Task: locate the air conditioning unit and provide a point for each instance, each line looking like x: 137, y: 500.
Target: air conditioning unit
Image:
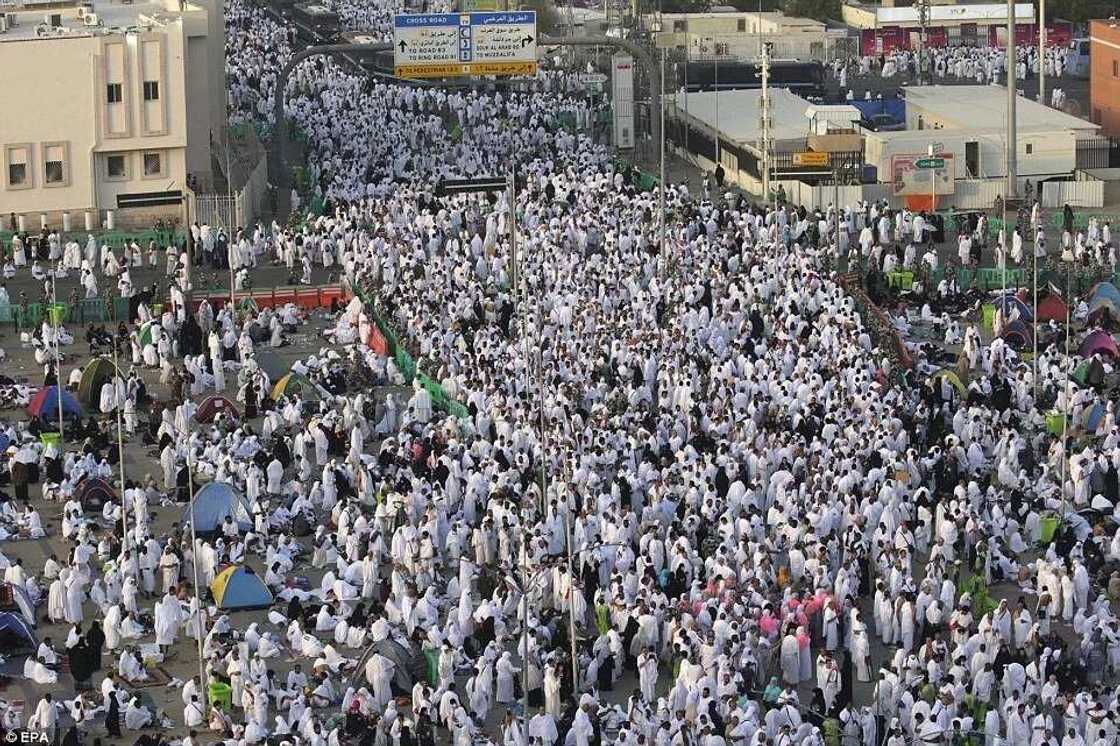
x: 84, y: 9
x: 91, y: 19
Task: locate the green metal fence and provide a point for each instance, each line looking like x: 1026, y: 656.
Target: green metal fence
x: 406, y: 364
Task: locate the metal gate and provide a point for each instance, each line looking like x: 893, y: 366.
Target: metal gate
x: 216, y: 210
x: 1093, y: 152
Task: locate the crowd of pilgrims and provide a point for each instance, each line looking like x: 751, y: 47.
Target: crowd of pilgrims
x: 954, y: 63
x: 704, y: 461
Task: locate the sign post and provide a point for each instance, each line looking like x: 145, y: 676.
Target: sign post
x: 441, y: 45
x: 923, y: 176
x: 930, y: 164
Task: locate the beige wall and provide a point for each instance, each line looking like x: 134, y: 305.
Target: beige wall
x: 73, y: 74
x: 859, y: 17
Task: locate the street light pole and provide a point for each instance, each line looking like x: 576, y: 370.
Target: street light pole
x: 200, y: 610
x: 1042, y: 52
x: 1067, y: 262
x: 120, y: 456
x: 661, y: 189
x: 716, y: 49
x: 1012, y: 151
x: 57, y: 357
x: 766, y: 122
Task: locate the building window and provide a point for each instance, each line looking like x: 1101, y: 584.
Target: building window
x: 679, y: 27
x: 114, y: 93
x: 153, y: 164
x: 19, y: 167
x: 1030, y: 148
x: 18, y: 161
x: 54, y: 165
x: 151, y: 90
x: 17, y: 174
x: 742, y: 25
x: 1116, y: 69
x: 116, y: 167
x: 1096, y: 116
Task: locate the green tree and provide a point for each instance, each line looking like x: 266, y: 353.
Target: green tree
x: 548, y: 19
x: 820, y: 10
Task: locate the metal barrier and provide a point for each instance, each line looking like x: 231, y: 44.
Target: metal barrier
x: 306, y: 297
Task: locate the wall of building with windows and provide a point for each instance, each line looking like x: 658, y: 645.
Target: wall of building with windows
x: 103, y: 122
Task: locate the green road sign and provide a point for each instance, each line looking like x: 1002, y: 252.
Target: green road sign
x: 930, y: 163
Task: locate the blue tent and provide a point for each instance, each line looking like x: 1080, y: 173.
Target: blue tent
x: 45, y: 404
x: 213, y: 503
x: 1094, y: 416
x: 1010, y: 301
x: 15, y: 634
x: 1105, y: 290
x: 238, y: 587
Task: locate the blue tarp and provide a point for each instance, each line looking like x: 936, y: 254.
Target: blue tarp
x: 242, y: 589
x: 18, y: 631
x: 895, y: 108
x: 213, y: 503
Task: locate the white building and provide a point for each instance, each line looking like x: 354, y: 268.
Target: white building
x: 741, y: 35
x: 970, y: 123
x: 806, y: 140
x: 110, y: 107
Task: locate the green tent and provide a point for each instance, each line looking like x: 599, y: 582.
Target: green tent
x: 146, y: 333
x: 96, y: 373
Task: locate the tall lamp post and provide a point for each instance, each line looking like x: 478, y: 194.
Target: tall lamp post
x: 1067, y: 263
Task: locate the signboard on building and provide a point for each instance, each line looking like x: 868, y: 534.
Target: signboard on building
x: 439, y: 45
x: 810, y: 159
x: 912, y: 174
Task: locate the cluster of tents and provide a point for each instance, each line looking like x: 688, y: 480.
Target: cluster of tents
x: 235, y: 587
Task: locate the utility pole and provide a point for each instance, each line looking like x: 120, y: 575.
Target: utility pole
x: 836, y: 201
x: 1042, y: 52
x: 923, y: 55
x: 1012, y: 145
x: 766, y: 122
x: 715, y: 48
x: 661, y: 189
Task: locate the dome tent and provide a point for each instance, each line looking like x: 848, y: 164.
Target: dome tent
x: 216, y: 404
x: 45, y: 404
x: 94, y: 493
x: 96, y: 373
x: 295, y: 383
x: 1099, y: 342
x: 15, y: 600
x: 1053, y: 308
x: 212, y: 504
x: 238, y: 587
x: 16, y: 635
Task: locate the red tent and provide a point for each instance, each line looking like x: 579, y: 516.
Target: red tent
x: 212, y: 405
x: 1053, y: 308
